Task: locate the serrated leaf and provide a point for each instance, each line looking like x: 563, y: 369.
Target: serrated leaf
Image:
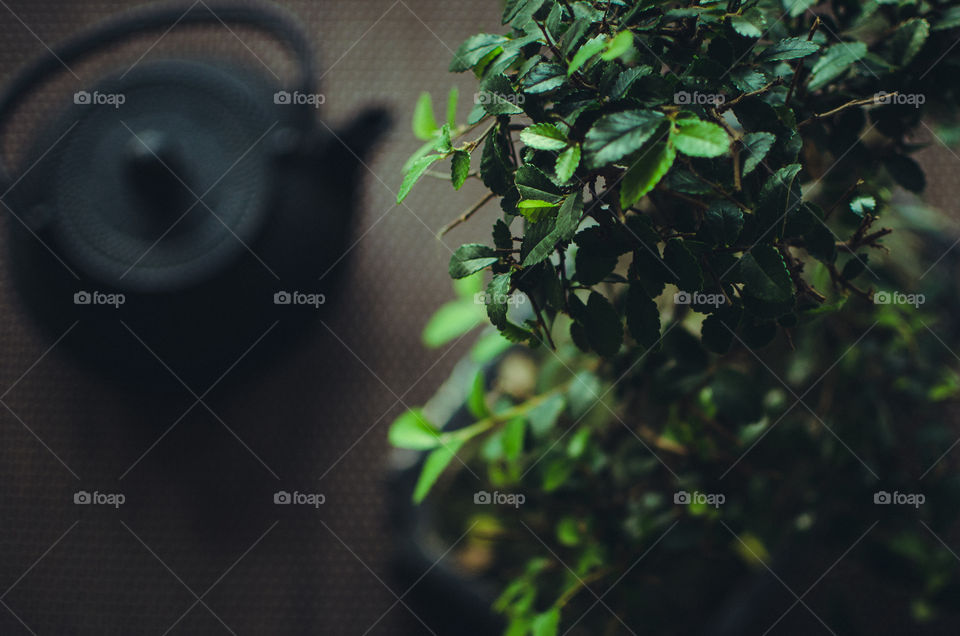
x: 544, y: 137
x: 532, y: 183
x: 788, y: 49
x: 495, y: 170
x: 535, y: 210
x: 834, y: 62
x: 745, y: 25
x: 565, y: 226
x: 473, y: 50
x: 616, y: 135
x: 798, y: 7
x: 907, y: 41
x: 417, y: 168
x: 621, y: 44
x: 723, y: 222
x: 757, y: 145
x: 412, y: 430
x: 698, y: 138
x: 459, y: 168
x: 717, y: 331
x: 863, y: 205
x: 645, y: 172
x: 436, y: 462
x: 498, y: 97
x: 684, y: 264
x: 471, y: 258
x: 450, y: 321
x: 424, y: 123
x: 643, y: 316
x: 590, y: 48
x: 543, y: 78
x: 602, y: 325
x: 567, y: 163
x: 765, y: 275
x: 497, y: 292
x: 519, y: 12
x: 502, y: 237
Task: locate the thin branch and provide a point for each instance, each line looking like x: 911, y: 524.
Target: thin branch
x: 867, y: 101
x: 466, y: 215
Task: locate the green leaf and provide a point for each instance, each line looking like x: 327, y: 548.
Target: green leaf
x: 798, y: 7
x: 746, y: 25
x: 451, y: 321
x: 475, y: 49
x: 424, y: 123
x: 532, y: 183
x: 757, y: 146
x: 535, y: 210
x: 684, y: 264
x: 544, y: 137
x: 567, y: 163
x: 543, y: 417
x: 459, y: 168
x: 502, y: 237
x: 619, y: 134
x: 590, y: 48
x: 416, y: 171
x: 568, y: 218
x: 699, y: 138
x: 497, y: 292
x: 477, y: 399
x: 907, y: 41
x: 545, y: 77
x: 863, y: 205
x: 602, y: 325
x: 471, y: 258
x: 436, y: 462
x: 412, y: 430
x: 547, y: 623
x: 718, y: 328
x: 643, y: 316
x: 765, y: 275
x: 513, y: 434
x: 834, y: 62
x: 645, y: 172
x: 498, y: 97
x: 788, y: 49
x: 495, y: 170
x: 519, y: 12
x: 620, y: 45
x: 723, y: 222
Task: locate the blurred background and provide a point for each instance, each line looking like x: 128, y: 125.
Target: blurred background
x: 199, y: 513
x: 199, y: 546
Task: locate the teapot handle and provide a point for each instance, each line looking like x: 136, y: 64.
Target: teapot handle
x: 271, y: 20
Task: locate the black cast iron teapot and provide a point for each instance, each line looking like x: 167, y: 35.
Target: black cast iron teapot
x: 177, y: 211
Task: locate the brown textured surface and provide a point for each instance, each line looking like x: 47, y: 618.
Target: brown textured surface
x: 198, y: 500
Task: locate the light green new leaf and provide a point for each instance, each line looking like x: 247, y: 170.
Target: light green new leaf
x: 412, y: 430
x: 699, y: 138
x: 424, y: 123
x: 547, y: 623
x: 567, y: 163
x: 452, y: 100
x: 436, y: 462
x: 451, y: 321
x: 835, y: 61
x: 417, y: 168
x: 590, y: 48
x: 621, y: 44
x: 645, y: 172
x: 534, y: 209
x: 568, y: 218
x: 459, y: 168
x: 544, y: 137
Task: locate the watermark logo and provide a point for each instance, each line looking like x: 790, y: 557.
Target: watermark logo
x: 296, y: 98
x: 698, y: 298
x: 909, y: 99
x: 884, y: 498
x: 484, y: 498
x: 297, y: 498
x: 484, y: 298
x: 96, y: 98
x: 696, y: 98
x: 684, y: 498
x: 486, y: 97
x: 99, y: 298
x: 298, y: 298
x: 898, y: 298
x: 97, y: 498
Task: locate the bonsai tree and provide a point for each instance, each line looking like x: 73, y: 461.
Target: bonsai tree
x: 734, y: 362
